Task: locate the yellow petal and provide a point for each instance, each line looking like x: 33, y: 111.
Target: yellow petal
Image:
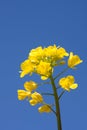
x: 22, y: 94
x: 44, y: 77
x: 33, y: 102
x: 74, y: 86
x: 38, y: 97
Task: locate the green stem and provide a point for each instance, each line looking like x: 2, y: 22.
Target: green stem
x: 52, y: 110
x: 61, y: 94
x: 59, y: 125
x: 50, y: 94
x: 61, y: 73
x: 40, y: 84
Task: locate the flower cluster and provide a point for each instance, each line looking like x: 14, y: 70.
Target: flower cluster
x: 34, y: 98
x: 42, y: 62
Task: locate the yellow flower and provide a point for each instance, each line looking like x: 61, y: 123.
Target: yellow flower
x: 67, y: 83
x: 44, y: 108
x: 30, y: 86
x: 26, y: 67
x: 74, y: 60
x: 44, y: 69
x: 55, y: 53
x: 41, y: 60
x: 36, y: 54
x: 50, y: 51
x: 33, y: 102
x: 22, y: 94
x: 61, y: 52
x: 36, y: 98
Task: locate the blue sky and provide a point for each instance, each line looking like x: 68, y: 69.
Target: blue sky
x: 26, y: 24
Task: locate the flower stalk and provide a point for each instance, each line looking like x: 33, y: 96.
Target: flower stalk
x: 61, y: 73
x: 58, y: 116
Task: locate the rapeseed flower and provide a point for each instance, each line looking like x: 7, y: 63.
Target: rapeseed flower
x: 55, y: 53
x: 36, y: 54
x: 45, y: 58
x: 27, y: 67
x: 44, y: 69
x: 30, y: 85
x: 44, y: 108
x: 36, y: 98
x: 73, y: 60
x: 61, y: 53
x: 67, y: 83
x: 22, y: 94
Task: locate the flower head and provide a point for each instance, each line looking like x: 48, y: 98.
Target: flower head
x: 44, y: 108
x: 42, y: 60
x: 74, y: 60
x: 67, y: 83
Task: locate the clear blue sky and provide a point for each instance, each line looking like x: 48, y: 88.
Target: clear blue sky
x: 26, y: 24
